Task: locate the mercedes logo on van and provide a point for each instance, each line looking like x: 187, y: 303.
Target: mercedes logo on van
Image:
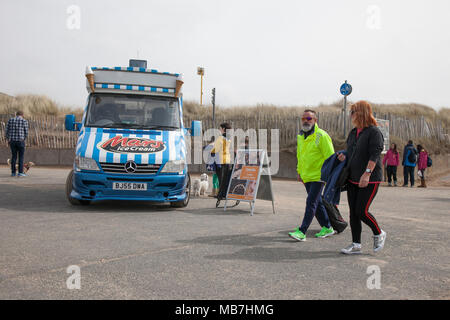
x: 130, y: 166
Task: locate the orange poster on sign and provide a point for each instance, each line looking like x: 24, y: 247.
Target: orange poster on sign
x: 249, y: 173
x: 250, y: 178
x: 244, y: 178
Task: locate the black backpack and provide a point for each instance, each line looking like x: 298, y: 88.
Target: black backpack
x: 337, y: 222
x: 412, y: 157
x: 429, y: 162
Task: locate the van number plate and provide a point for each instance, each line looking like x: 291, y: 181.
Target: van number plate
x: 129, y: 186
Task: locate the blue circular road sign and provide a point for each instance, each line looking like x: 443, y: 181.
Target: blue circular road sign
x: 346, y: 89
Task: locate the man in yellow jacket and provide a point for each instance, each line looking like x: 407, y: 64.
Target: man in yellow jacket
x: 314, y: 146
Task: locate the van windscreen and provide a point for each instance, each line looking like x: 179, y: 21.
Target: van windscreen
x: 108, y: 110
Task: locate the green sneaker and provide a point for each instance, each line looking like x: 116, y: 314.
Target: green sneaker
x: 325, y: 232
x: 297, y: 235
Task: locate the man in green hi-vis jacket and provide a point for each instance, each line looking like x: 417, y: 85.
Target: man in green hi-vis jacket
x: 314, y: 146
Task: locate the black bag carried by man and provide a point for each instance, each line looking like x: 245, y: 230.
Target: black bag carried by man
x: 337, y: 222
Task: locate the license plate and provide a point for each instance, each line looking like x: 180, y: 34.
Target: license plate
x: 129, y: 186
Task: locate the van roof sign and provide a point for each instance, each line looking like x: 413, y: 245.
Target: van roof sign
x: 138, y: 63
x: 133, y: 80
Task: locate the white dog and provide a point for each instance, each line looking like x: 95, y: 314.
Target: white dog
x: 201, y: 185
x: 196, y: 187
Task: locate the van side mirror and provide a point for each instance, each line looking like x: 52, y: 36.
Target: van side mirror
x: 70, y: 123
x: 196, y: 128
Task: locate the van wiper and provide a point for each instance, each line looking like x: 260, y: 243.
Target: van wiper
x: 112, y: 125
x: 162, y: 127
x: 123, y: 125
x: 141, y: 126
x: 138, y: 126
x: 130, y: 125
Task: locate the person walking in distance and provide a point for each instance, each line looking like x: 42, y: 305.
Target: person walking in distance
x: 16, y: 133
x: 314, y: 146
x: 422, y: 165
x: 364, y: 146
x: 391, y: 159
x: 409, y: 163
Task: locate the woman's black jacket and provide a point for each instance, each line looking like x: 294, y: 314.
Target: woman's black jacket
x: 368, y: 146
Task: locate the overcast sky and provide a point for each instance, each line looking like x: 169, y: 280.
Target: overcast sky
x: 279, y: 52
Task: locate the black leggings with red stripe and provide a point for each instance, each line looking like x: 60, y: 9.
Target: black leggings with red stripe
x: 359, y: 201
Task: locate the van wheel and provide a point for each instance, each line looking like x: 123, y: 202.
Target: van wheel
x: 69, y: 187
x: 184, y: 203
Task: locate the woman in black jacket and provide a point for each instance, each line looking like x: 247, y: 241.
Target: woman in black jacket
x: 364, y: 146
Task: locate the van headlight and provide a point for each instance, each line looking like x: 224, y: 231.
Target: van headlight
x: 82, y: 163
x: 174, y: 166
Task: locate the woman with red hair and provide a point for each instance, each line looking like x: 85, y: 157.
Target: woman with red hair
x: 364, y: 146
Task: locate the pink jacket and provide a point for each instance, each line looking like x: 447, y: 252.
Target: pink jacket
x: 391, y: 158
x: 423, y: 159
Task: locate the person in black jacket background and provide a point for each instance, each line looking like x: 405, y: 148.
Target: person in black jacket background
x: 364, y: 146
x: 409, y: 153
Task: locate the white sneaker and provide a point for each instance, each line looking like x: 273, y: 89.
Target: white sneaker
x: 354, y: 248
x: 378, y: 241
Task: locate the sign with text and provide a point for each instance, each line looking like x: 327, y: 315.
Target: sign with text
x: 246, y: 177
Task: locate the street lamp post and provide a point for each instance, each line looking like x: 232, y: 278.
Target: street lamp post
x: 201, y: 73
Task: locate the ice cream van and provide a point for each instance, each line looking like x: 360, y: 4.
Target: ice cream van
x: 132, y: 142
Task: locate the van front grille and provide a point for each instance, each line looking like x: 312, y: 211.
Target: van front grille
x: 120, y: 168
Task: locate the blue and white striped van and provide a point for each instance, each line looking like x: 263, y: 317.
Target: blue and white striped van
x: 132, y: 143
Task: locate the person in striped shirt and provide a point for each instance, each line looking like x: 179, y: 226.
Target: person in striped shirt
x: 16, y: 134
